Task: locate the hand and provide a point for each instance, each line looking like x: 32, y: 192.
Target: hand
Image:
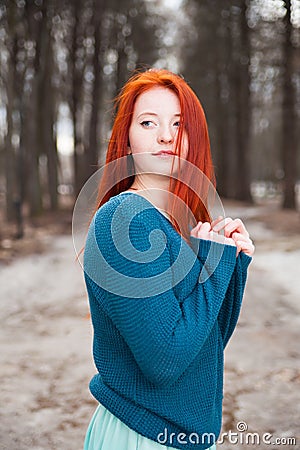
x: 203, y: 230
x: 236, y: 230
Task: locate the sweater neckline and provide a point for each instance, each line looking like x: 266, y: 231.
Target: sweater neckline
x: 163, y: 213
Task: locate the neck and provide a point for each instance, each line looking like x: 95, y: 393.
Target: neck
x: 153, y: 188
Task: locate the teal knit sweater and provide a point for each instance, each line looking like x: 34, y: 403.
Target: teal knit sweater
x: 162, y: 313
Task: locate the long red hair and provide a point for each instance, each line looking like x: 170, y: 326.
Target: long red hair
x: 192, y: 122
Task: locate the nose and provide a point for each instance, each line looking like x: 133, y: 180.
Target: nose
x: 165, y: 136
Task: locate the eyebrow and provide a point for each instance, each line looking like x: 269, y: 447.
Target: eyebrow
x: 149, y: 113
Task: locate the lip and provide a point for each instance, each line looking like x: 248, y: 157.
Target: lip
x: 164, y: 153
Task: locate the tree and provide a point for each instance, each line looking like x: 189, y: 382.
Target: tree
x: 243, y: 104
x: 47, y: 105
x: 9, y: 154
x: 36, y: 21
x: 216, y: 61
x: 76, y: 70
x: 97, y: 64
x: 289, y: 121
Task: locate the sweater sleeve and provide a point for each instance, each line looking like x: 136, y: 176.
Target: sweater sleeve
x: 230, y: 309
x: 163, y: 334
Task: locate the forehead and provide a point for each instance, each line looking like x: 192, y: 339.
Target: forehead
x: 159, y: 100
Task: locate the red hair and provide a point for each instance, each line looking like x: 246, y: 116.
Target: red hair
x: 192, y: 122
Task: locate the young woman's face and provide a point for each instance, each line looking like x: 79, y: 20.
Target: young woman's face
x: 153, y: 131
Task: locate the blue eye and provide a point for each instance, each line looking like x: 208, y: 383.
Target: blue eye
x: 177, y: 124
x: 146, y: 123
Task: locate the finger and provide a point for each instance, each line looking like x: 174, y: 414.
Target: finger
x: 221, y: 238
x: 236, y: 225
x: 203, y: 231
x: 194, y: 231
x: 240, y: 237
x: 229, y: 241
x: 205, y: 236
x: 205, y: 227
x: 246, y: 247
x: 238, y: 248
x: 216, y: 237
x: 216, y: 221
x: 221, y: 224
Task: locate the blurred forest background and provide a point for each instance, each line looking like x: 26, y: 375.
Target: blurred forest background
x: 63, y: 61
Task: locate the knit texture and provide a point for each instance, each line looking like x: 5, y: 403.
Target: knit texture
x: 162, y: 314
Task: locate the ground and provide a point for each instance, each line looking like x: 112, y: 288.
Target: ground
x: 45, y: 344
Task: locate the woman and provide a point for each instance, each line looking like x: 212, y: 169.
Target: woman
x: 165, y: 282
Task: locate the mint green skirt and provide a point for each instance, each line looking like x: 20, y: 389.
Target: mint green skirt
x: 107, y: 432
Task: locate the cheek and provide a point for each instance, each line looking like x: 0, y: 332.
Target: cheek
x: 135, y: 140
x: 139, y: 141
x: 185, y: 146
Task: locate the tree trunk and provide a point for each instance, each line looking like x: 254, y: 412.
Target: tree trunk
x: 9, y: 156
x: 243, y: 111
x: 33, y: 117
x: 232, y: 121
x: 92, y: 154
x: 223, y: 54
x: 122, y: 71
x: 47, y: 107
x: 289, y: 144
x: 77, y: 79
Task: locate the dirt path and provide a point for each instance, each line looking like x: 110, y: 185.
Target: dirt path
x: 46, y: 361
x: 45, y: 351
x: 262, y: 388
